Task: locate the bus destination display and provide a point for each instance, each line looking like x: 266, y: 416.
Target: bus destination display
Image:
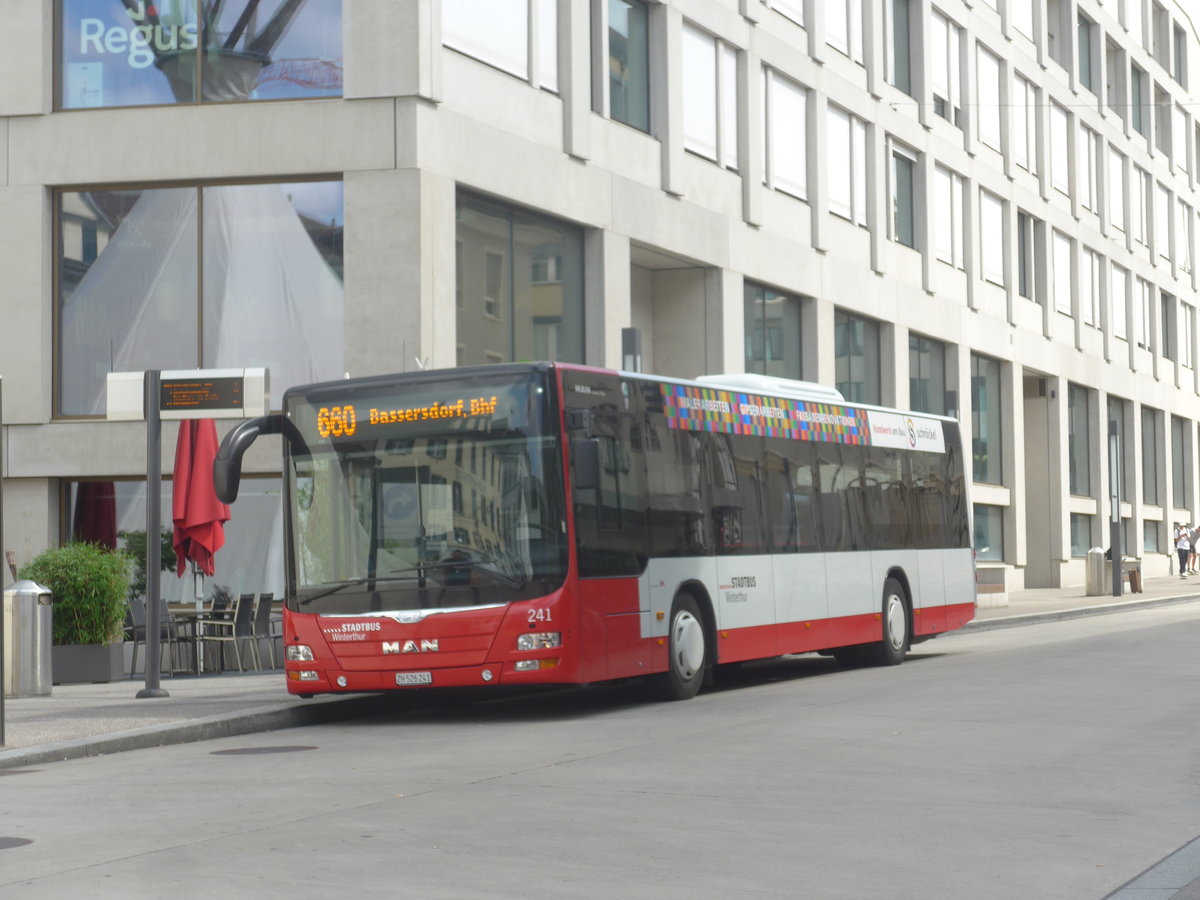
x: 345, y: 421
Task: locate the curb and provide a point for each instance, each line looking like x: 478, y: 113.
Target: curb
x: 1079, y: 612
x: 266, y: 718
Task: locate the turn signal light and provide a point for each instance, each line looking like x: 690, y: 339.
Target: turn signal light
x: 532, y: 665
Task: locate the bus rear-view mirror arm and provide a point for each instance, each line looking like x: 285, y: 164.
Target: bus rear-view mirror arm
x: 227, y: 466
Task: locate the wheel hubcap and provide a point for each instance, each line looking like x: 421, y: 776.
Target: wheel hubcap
x: 897, y: 622
x: 687, y: 645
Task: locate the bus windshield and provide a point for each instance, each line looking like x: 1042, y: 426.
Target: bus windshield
x: 409, y: 495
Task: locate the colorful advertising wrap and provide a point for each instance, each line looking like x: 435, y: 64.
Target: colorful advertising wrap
x: 728, y: 412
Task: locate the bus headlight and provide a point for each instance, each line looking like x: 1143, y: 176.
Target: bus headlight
x: 539, y: 640
x: 299, y: 653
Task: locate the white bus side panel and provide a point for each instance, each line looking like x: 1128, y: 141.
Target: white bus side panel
x: 959, y: 577
x: 929, y: 588
x: 852, y: 586
x: 660, y: 582
x: 800, y: 593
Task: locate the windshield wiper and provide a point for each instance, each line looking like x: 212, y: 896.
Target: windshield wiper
x: 353, y: 582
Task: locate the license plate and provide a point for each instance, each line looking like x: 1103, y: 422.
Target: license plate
x: 414, y: 678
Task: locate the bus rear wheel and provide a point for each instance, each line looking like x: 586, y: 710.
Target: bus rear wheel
x: 687, y: 645
x: 894, y: 647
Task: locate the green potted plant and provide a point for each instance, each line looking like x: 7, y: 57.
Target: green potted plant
x: 90, y: 584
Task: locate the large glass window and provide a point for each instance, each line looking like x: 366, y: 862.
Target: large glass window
x: 991, y: 236
x: 904, y: 221
x: 1150, y: 454
x: 223, y: 276
x: 856, y: 357
x: 772, y: 332
x: 1180, y: 463
x: 113, y: 514
x: 926, y: 375
x: 900, y: 68
x: 1025, y: 123
x: 709, y: 97
x: 629, y: 63
x: 1081, y: 534
x: 948, y: 225
x: 986, y: 438
x: 139, y: 52
x: 1060, y: 148
x: 945, y: 67
x: 844, y: 27
x: 846, y: 137
x: 1078, y: 441
x: 785, y: 109
x: 1086, y: 30
x: 497, y: 32
x: 987, y: 90
x: 989, y: 533
x: 523, y: 285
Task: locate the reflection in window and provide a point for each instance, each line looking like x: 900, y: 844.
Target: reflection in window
x: 1150, y: 454
x: 1081, y: 534
x: 989, y: 533
x: 113, y: 513
x: 772, y: 332
x: 271, y: 260
x: 138, y: 52
x: 986, y: 439
x: 926, y: 375
x: 522, y: 284
x: 856, y: 357
x: 629, y: 63
x: 1078, y: 441
x: 497, y: 32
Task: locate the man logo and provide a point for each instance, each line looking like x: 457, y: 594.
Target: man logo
x: 425, y: 646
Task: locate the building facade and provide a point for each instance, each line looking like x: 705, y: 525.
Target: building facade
x: 980, y: 208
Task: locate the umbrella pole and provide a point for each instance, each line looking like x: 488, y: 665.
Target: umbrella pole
x: 198, y: 592
x: 153, y: 538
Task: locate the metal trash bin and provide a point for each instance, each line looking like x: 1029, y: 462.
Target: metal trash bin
x: 28, y: 623
x: 1096, y: 565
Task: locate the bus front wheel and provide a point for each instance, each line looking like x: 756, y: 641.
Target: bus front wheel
x: 687, y: 644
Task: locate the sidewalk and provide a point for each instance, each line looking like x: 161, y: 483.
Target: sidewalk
x: 90, y: 719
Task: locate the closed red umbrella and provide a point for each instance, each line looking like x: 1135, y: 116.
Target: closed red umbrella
x: 198, y: 515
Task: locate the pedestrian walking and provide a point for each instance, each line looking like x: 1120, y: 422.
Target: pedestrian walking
x: 1183, y: 547
x: 1194, y: 537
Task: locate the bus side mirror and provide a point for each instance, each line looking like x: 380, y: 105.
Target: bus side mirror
x: 227, y: 466
x: 586, y: 454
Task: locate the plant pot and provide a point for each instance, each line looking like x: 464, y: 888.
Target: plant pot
x: 87, y: 663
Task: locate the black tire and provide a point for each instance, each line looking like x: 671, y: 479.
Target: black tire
x: 896, y: 632
x: 849, y: 657
x: 687, y: 647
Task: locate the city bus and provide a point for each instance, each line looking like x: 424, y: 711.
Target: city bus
x: 551, y: 524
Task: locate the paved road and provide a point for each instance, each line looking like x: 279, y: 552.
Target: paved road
x: 1056, y: 760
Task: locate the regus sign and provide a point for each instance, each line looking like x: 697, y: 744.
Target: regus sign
x: 140, y: 41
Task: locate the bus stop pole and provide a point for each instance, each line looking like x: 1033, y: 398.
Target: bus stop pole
x: 153, y: 538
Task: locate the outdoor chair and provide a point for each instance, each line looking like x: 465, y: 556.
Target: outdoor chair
x: 234, y: 628
x: 169, y: 633
x: 263, y: 630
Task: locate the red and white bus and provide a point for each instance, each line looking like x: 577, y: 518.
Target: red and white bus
x: 533, y: 524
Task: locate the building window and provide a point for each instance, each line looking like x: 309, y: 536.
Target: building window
x: 1114, y: 77
x: 989, y: 533
x: 1162, y: 220
x: 522, y: 284
x: 793, y: 9
x: 1081, y: 534
x: 136, y: 53
x: 1060, y: 260
x: 1089, y: 169
x: 948, y: 190
x: 1119, y: 286
x: 1029, y: 231
x: 904, y: 167
x: 1179, y: 72
x: 1089, y: 287
x: 1183, y: 236
x: 1179, y: 130
x: 1060, y: 149
x: 902, y: 41
x: 1138, y: 99
x: 497, y: 32
x: 1162, y: 121
x: 709, y: 97
x: 785, y: 142
x: 1150, y: 537
x: 1150, y: 453
x: 1116, y: 190
x: 926, y: 375
x: 991, y: 237
x: 844, y: 27
x: 1167, y: 319
x: 856, y: 357
x: 1187, y: 334
x: 987, y: 91
x: 629, y: 63
x: 112, y: 513
x: 772, y: 322
x: 222, y: 276
x: 1058, y: 38
x: 946, y: 67
x: 1022, y: 16
x: 847, y: 172
x: 1180, y: 463
x: 986, y: 438
x: 1160, y: 32
x: 1139, y: 202
x: 1025, y: 124
x: 1078, y: 441
x: 1087, y: 28
x: 1143, y: 299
